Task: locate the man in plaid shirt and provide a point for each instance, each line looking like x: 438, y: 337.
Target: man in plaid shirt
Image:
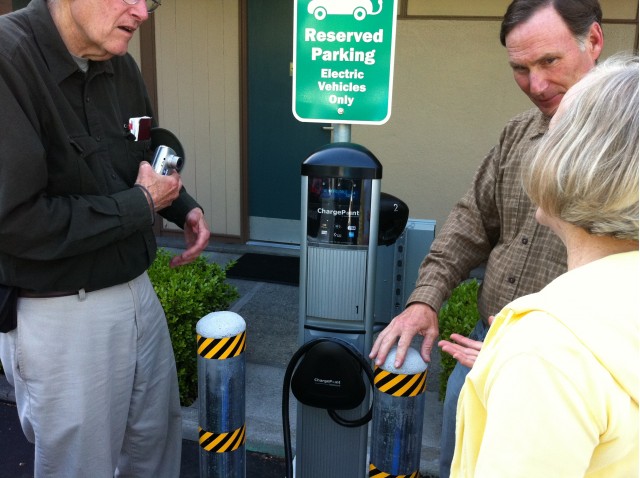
x: 551, y: 44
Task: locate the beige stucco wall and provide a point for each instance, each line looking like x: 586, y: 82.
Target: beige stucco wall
x: 452, y: 94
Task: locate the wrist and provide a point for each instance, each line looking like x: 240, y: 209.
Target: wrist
x: 152, y: 205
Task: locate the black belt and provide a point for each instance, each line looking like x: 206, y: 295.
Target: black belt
x: 34, y: 294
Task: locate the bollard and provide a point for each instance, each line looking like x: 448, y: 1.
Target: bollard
x: 398, y: 414
x: 221, y: 340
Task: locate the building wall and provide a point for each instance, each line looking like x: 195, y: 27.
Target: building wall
x: 452, y: 94
x: 134, y: 48
x: 198, y: 58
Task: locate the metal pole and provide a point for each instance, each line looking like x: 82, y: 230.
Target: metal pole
x: 341, y: 133
x: 398, y: 415
x: 221, y: 340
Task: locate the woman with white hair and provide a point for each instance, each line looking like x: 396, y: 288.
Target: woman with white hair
x: 554, y: 391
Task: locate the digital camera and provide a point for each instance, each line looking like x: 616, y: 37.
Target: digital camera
x: 166, y: 160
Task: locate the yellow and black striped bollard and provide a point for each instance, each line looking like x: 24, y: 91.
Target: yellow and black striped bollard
x: 221, y: 340
x: 398, y: 415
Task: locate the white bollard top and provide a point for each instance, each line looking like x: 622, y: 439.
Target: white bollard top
x: 413, y: 363
x: 218, y: 325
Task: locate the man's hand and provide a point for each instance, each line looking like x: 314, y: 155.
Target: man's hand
x: 416, y: 319
x: 163, y: 189
x: 463, y: 349
x: 196, y: 236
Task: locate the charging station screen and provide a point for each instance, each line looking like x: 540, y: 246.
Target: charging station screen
x: 336, y: 211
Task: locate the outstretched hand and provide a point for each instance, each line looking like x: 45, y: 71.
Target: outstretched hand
x: 463, y: 349
x: 196, y: 236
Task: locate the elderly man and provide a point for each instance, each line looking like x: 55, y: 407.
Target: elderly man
x: 551, y: 44
x: 91, y: 358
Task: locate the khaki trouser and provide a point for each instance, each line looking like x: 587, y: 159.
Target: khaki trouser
x: 96, y: 384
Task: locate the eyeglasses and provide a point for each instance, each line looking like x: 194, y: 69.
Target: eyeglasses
x: 151, y: 4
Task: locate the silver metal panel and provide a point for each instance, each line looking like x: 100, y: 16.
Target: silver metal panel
x: 302, y: 288
x: 326, y: 449
x: 384, y: 311
x: 335, y: 286
x: 398, y: 266
x: 416, y: 243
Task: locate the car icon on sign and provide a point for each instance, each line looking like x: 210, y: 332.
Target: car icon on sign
x: 358, y: 8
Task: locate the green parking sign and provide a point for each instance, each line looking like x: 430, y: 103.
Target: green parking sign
x: 343, y: 60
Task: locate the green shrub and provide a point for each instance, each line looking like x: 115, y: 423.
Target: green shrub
x: 458, y: 315
x: 188, y: 293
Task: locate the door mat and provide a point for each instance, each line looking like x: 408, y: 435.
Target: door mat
x: 266, y: 268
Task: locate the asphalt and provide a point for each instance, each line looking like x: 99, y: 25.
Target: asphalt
x: 271, y: 314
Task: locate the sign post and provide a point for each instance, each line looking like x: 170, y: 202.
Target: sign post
x: 343, y: 60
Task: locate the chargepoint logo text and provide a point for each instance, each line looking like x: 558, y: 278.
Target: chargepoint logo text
x: 341, y: 212
x: 327, y: 381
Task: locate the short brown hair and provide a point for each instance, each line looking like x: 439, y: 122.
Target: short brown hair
x: 578, y: 15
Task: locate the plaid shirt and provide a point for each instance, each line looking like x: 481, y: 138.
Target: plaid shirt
x: 494, y: 223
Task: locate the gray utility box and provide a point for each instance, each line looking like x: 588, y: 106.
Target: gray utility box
x: 397, y: 269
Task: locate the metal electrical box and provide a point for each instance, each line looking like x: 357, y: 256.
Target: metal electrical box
x: 397, y: 269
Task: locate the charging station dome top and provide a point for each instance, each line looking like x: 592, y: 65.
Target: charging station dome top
x: 343, y: 160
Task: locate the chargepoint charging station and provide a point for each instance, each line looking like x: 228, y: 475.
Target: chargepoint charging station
x: 340, y: 218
